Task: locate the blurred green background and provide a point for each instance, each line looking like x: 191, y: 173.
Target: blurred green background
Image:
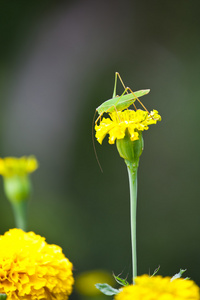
x: 57, y: 64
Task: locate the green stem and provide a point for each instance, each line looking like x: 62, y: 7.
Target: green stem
x: 20, y: 213
x: 132, y: 174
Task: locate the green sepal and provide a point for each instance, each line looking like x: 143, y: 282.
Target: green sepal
x: 130, y: 150
x: 106, y: 289
x: 121, y: 281
x: 3, y: 296
x: 178, y: 275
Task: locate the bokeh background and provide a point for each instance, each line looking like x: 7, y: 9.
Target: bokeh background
x: 57, y: 64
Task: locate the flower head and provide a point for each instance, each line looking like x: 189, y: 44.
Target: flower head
x: 31, y: 269
x: 10, y: 166
x: 85, y: 282
x: 15, y: 172
x: 121, y: 121
x: 160, y: 288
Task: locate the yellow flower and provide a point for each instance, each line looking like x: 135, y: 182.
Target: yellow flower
x: 31, y: 269
x: 10, y: 166
x: 85, y: 282
x: 15, y: 173
x: 133, y: 121
x: 159, y: 288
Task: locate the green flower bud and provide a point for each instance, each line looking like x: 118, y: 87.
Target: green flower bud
x: 130, y: 150
x: 17, y: 188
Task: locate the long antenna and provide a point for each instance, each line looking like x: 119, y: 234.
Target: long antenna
x: 95, y: 151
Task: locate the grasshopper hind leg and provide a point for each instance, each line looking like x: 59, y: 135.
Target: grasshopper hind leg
x: 129, y: 89
x: 138, y: 100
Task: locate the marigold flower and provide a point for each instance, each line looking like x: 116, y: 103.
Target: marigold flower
x: 15, y: 172
x: 133, y: 121
x: 31, y: 269
x: 10, y: 166
x: 85, y: 282
x: 160, y: 288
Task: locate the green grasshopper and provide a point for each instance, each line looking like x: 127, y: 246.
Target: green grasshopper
x: 119, y: 103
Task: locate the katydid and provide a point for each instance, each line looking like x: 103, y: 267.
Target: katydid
x: 119, y: 103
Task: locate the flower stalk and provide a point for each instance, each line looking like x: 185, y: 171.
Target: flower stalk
x: 131, y: 151
x: 132, y: 174
x: 20, y: 214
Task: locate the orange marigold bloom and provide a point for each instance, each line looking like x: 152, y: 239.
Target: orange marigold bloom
x: 31, y: 269
x: 159, y: 288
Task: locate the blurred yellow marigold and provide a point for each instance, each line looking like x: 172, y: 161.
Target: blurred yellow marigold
x: 85, y: 282
x: 31, y: 269
x: 159, y: 288
x: 10, y: 166
x: 133, y: 121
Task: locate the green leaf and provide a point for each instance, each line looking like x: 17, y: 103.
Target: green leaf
x: 155, y: 271
x: 106, y: 289
x: 121, y: 281
x: 178, y: 275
